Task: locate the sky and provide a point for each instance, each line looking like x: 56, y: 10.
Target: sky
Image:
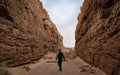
x: 63, y: 14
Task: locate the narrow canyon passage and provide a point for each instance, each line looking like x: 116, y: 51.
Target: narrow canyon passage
x: 27, y: 34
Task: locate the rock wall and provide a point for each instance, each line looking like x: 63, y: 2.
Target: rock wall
x: 98, y: 35
x: 26, y: 32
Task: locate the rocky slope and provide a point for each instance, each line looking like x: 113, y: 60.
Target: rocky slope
x: 26, y: 32
x: 98, y: 35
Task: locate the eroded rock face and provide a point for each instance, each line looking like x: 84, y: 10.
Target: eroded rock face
x: 98, y: 35
x: 26, y: 32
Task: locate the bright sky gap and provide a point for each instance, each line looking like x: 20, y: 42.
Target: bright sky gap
x: 63, y: 14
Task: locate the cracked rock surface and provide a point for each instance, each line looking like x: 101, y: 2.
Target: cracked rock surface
x: 26, y: 32
x: 98, y: 35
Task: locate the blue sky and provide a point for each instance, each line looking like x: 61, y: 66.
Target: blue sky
x: 63, y: 14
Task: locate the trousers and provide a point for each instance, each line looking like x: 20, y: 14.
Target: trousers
x: 60, y: 65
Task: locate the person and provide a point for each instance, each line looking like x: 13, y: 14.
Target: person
x: 60, y: 57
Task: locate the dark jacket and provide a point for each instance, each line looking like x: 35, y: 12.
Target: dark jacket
x: 60, y: 56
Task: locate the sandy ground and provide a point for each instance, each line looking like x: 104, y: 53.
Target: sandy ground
x: 49, y: 67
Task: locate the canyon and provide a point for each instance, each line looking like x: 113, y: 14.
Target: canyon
x: 98, y: 35
x: 26, y: 32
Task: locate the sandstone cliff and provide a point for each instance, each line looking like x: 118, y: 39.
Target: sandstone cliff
x: 26, y: 32
x: 98, y: 34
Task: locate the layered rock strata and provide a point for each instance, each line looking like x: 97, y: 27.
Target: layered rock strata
x: 26, y: 32
x: 98, y: 35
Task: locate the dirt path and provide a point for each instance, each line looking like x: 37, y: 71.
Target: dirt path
x: 49, y: 67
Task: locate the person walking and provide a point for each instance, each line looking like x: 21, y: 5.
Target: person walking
x: 60, y: 57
